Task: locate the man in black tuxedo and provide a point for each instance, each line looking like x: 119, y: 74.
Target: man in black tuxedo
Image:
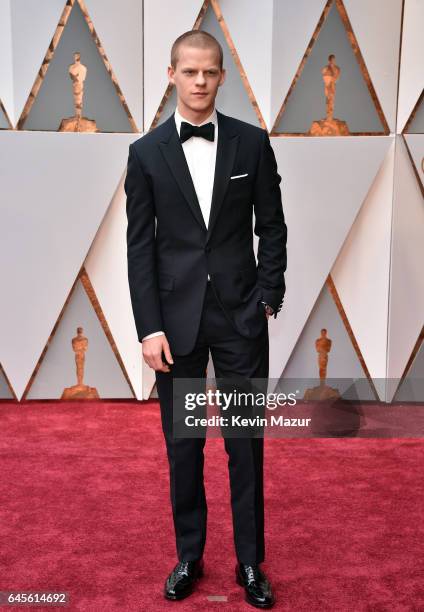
x: 192, y: 185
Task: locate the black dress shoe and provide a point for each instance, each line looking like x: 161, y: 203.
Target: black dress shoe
x: 181, y: 581
x: 256, y: 586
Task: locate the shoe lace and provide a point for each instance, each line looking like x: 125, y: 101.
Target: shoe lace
x: 250, y: 573
x: 182, y: 568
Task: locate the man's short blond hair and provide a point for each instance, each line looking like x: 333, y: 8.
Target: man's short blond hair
x: 199, y: 39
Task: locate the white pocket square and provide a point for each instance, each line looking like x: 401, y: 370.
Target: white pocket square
x: 238, y: 176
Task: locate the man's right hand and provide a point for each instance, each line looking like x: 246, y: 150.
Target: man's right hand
x: 152, y: 353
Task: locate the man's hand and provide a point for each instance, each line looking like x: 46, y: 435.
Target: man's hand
x: 152, y: 353
x: 268, y: 310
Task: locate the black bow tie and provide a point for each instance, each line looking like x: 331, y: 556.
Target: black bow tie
x: 204, y: 131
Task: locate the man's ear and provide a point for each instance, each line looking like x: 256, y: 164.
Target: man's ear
x: 223, y: 75
x: 171, y: 73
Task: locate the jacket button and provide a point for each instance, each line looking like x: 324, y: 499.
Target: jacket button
x: 207, y: 249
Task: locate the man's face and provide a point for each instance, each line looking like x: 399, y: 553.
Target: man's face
x: 196, y: 77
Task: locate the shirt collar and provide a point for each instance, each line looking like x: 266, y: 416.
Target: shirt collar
x: 178, y: 118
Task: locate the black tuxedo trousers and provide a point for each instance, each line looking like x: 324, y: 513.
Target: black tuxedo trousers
x: 232, y: 355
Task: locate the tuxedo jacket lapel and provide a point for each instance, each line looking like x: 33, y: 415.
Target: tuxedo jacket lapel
x: 225, y: 156
x: 174, y: 155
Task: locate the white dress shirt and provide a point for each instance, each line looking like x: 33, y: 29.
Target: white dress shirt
x: 201, y: 157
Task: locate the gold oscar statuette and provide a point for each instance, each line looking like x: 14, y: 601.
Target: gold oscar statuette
x: 330, y: 126
x: 323, y: 391
x: 78, y: 123
x: 80, y: 390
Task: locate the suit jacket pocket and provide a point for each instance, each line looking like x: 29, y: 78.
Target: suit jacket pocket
x: 250, y: 279
x: 240, y: 187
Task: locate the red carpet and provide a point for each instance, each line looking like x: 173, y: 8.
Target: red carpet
x: 85, y: 509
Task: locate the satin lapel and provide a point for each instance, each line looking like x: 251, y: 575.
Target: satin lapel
x: 175, y: 158
x: 225, y: 157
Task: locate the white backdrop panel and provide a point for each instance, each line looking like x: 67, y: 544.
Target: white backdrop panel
x: 361, y: 272
x: 56, y: 189
x: 160, y: 31
x: 250, y: 26
x: 406, y: 316
x: 376, y: 24
x: 293, y: 26
x: 33, y: 25
x: 106, y: 265
x: 324, y: 183
x: 119, y: 26
x: 6, y: 72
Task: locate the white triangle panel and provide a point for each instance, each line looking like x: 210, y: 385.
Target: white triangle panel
x: 56, y: 189
x: 106, y: 260
x: 162, y: 25
x: 411, y: 66
x: 33, y: 25
x: 232, y: 98
x: 324, y: 183
x: 119, y: 26
x: 293, y: 26
x: 6, y: 66
x: 361, y: 272
x: 250, y: 26
x: 376, y: 25
x: 406, y: 315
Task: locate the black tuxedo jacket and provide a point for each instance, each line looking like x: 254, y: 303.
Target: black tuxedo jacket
x: 170, y: 250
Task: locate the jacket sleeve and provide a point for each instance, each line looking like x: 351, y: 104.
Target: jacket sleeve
x: 270, y: 228
x: 142, y: 274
